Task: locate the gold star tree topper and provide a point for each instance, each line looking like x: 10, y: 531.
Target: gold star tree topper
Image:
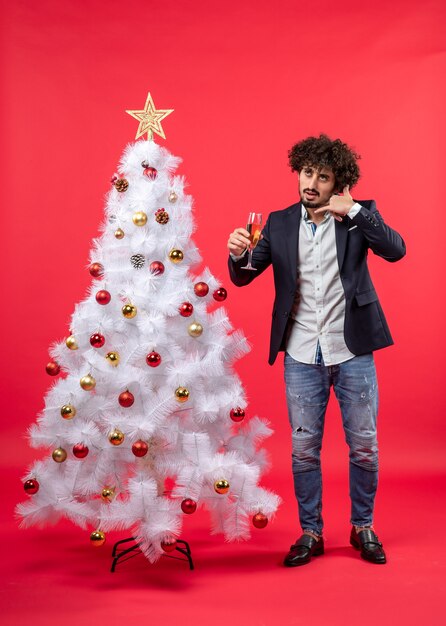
x: 150, y: 119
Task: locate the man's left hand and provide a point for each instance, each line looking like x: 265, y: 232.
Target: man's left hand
x: 339, y: 205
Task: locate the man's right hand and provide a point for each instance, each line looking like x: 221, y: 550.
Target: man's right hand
x: 238, y: 241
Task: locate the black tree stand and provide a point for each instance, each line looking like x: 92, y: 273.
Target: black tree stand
x: 120, y: 555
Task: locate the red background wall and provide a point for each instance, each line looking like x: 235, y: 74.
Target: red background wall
x: 246, y: 80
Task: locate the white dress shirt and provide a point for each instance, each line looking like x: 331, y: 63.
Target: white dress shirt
x: 319, y: 305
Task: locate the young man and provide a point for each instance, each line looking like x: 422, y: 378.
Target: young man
x: 328, y: 320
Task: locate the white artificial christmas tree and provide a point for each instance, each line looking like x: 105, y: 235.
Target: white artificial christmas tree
x: 148, y: 391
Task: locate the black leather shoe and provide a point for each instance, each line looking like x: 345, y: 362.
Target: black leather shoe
x: 301, y: 552
x: 369, y: 544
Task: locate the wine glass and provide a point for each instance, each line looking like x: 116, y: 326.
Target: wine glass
x: 254, y: 228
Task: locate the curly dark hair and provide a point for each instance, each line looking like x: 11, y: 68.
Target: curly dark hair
x: 324, y: 152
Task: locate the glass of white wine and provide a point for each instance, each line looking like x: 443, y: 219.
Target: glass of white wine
x: 254, y: 228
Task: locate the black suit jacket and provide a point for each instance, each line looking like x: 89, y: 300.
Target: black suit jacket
x: 365, y: 327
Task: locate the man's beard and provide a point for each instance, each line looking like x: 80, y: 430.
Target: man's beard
x: 313, y: 204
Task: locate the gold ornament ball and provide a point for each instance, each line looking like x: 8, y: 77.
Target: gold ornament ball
x: 59, y: 455
x: 116, y: 437
x: 176, y: 256
x: 87, y: 382
x: 182, y: 394
x: 221, y: 486
x: 71, y: 342
x: 129, y: 311
x: 119, y: 233
x: 139, y: 218
x: 112, y: 358
x: 173, y: 197
x: 195, y: 329
x: 107, y: 494
x: 97, y: 538
x: 68, y: 411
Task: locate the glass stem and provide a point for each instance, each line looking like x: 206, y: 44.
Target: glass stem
x: 250, y: 257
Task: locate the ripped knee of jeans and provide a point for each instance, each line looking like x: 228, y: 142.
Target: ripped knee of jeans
x: 306, y: 450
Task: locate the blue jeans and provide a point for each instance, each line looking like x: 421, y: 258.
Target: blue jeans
x: 308, y: 389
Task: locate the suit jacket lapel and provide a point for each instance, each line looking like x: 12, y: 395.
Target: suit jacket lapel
x: 292, y: 225
x: 341, y: 231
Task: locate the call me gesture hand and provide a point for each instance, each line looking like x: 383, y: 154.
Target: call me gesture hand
x: 339, y: 205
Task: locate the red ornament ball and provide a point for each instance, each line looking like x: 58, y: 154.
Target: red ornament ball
x: 52, y: 368
x: 150, y: 172
x: 126, y: 399
x: 169, y: 545
x: 140, y: 448
x: 96, y: 270
x: 31, y: 486
x: 186, y: 309
x: 80, y: 451
x: 201, y: 289
x: 220, y: 294
x: 97, y: 340
x: 153, y: 359
x: 188, y: 506
x: 103, y: 297
x: 157, y: 268
x: 237, y: 415
x: 259, y: 520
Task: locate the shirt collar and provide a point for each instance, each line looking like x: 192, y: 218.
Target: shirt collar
x: 306, y: 215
